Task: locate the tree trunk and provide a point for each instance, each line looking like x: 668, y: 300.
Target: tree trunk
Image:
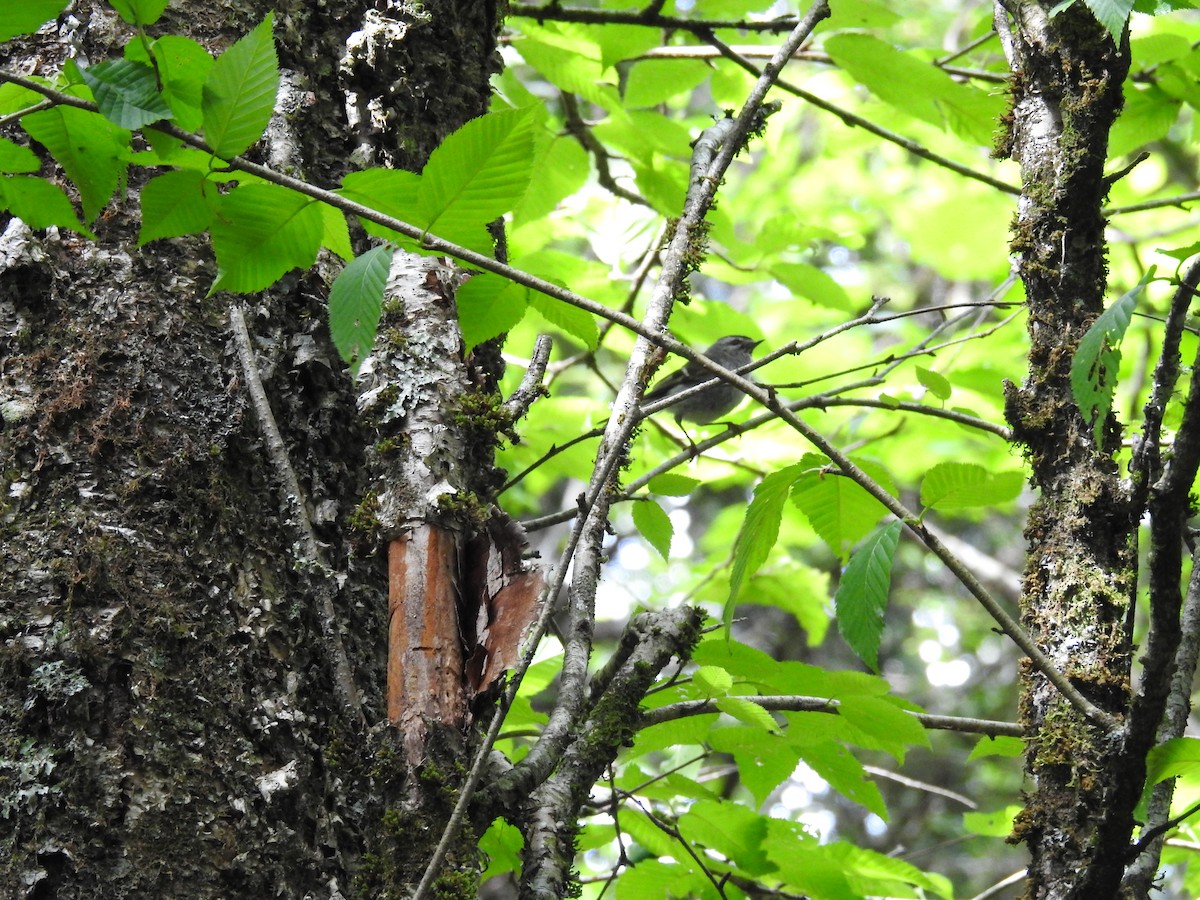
x: 1080, y: 574
x: 175, y: 724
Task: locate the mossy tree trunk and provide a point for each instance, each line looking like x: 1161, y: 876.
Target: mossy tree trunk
x: 171, y: 725
x: 1080, y: 574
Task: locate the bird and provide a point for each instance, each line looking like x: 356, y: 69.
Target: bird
x: 732, y: 352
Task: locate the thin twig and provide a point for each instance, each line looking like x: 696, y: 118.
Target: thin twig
x: 294, y: 499
x: 797, y: 703
x: 530, y: 388
x: 855, y: 120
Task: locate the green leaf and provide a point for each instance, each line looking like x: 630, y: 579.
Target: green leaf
x: 184, y: 67
x: 880, y: 717
x: 650, y: 82
x: 916, y: 87
x: 747, y: 711
x: 804, y: 867
x: 390, y: 191
x: 862, y: 595
x: 174, y: 204
x: 997, y: 824
x: 126, y: 92
x: 17, y: 159
x: 734, y: 831
x: 1113, y: 14
x: 239, y: 93
x: 488, y: 306
x: 139, y: 12
x: 39, y: 204
x: 27, y: 16
x: 654, y: 525
x: 935, y: 383
x: 845, y: 774
x: 875, y: 874
x: 840, y: 511
x: 560, y: 169
x: 997, y: 746
x: 477, y: 173
x: 954, y: 485
x: 764, y: 757
x: 711, y: 680
x: 354, y: 303
x: 759, y: 531
x: 671, y: 484
x: 90, y: 149
x: 797, y: 589
x: 263, y: 231
x: 574, y: 321
x: 1097, y: 361
x: 807, y: 281
x: 1174, y: 758
x: 335, y: 235
x: 501, y: 845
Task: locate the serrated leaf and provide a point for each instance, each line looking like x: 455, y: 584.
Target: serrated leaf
x: 174, y: 204
x: 935, y: 383
x: 650, y: 82
x: 759, y: 531
x: 670, y: 484
x: 126, y: 92
x: 392, y: 192
x: 1097, y: 361
x: 354, y: 303
x: 845, y: 774
x: 710, y: 680
x: 335, y: 235
x: 239, y: 93
x: 263, y: 231
x: 16, y: 159
x: 184, y: 67
x: 764, y: 758
x: 90, y: 149
x: 501, y: 846
x: 878, y: 875
x: 574, y: 321
x: 654, y: 525
x: 734, y: 831
x: 806, y: 869
x: 807, y: 281
x: 488, y: 305
x: 862, y: 595
x: 915, y: 86
x: 39, y: 204
x: 797, y: 589
x: 840, y: 511
x: 27, y: 16
x: 1173, y: 758
x: 746, y: 710
x: 1112, y: 14
x: 478, y: 173
x: 880, y: 717
x: 953, y: 485
x: 139, y: 12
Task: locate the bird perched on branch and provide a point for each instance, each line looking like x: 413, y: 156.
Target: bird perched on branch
x: 732, y: 352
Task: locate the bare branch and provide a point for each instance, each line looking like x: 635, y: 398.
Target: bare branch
x: 323, y: 576
x: 797, y: 703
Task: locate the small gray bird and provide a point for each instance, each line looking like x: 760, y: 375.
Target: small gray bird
x: 733, y: 353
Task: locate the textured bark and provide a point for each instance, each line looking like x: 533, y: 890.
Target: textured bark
x: 168, y: 724
x: 1079, y: 577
